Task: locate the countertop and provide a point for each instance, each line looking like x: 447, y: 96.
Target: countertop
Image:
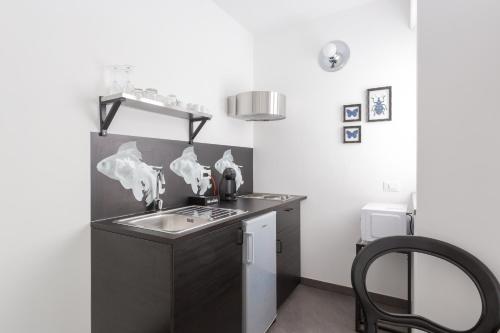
x: 253, y: 207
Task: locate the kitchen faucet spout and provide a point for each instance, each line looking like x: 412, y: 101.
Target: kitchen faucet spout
x: 160, y: 182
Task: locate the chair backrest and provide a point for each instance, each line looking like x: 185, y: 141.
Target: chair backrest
x: 483, y: 278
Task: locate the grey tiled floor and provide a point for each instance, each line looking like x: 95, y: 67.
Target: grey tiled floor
x: 311, y: 310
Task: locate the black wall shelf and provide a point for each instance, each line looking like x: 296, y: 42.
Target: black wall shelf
x: 117, y: 100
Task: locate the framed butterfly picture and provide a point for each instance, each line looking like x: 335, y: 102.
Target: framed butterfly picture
x: 379, y: 104
x: 352, y: 134
x: 352, y: 112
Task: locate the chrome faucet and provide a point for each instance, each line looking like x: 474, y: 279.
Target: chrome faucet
x: 160, y: 182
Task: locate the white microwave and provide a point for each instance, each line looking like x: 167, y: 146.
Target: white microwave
x: 380, y: 220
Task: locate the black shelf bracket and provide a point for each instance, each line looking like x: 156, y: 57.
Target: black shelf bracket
x: 194, y: 132
x: 106, y: 117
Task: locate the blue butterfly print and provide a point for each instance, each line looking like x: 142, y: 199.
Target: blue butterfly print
x: 352, y: 134
x: 352, y: 113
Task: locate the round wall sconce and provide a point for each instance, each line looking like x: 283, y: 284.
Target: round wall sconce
x: 334, y: 56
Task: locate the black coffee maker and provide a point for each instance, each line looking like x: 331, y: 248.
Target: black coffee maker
x: 227, y: 186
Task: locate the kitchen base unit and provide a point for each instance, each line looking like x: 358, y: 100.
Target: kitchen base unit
x: 288, y: 250
x: 148, y: 281
x: 142, y: 286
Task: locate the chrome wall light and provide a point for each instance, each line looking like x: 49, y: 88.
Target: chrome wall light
x: 334, y: 55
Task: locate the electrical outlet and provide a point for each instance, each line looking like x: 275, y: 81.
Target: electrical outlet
x: 391, y: 186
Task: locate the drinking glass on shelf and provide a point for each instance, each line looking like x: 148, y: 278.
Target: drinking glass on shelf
x: 161, y: 98
x: 172, y: 99
x: 180, y: 104
x: 120, y: 79
x: 138, y: 93
x: 151, y: 93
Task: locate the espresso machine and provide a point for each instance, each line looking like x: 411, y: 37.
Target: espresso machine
x: 227, y: 186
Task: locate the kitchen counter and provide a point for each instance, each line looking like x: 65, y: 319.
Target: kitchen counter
x: 253, y: 207
x: 151, y: 281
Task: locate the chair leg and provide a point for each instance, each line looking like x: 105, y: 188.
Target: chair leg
x: 370, y: 326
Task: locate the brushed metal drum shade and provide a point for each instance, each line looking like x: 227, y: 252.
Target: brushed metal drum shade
x: 257, y: 106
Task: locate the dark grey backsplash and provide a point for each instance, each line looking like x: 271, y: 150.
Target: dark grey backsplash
x: 110, y: 199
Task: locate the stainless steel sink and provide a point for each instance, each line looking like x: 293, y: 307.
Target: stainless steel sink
x: 181, y: 220
x: 264, y: 196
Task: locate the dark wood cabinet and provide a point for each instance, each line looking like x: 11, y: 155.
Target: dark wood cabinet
x: 131, y: 284
x: 288, y: 250
x: 185, y: 285
x: 208, y: 283
x: 140, y: 286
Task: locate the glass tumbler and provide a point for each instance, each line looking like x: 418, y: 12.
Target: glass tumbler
x: 120, y: 79
x: 151, y: 93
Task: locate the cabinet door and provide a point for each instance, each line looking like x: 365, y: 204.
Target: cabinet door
x: 288, y: 250
x: 208, y: 283
x: 131, y: 284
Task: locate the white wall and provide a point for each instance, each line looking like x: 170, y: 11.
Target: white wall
x: 304, y: 154
x: 458, y: 149
x: 51, y: 62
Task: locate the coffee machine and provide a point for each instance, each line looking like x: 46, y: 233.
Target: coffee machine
x: 227, y: 186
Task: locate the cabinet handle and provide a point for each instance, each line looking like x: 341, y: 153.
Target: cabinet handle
x: 279, y: 246
x: 249, y: 256
x: 288, y: 209
x: 240, y: 237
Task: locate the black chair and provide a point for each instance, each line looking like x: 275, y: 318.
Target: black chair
x: 483, y: 278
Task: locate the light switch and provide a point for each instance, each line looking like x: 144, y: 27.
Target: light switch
x: 391, y: 186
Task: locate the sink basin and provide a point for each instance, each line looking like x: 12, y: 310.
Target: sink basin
x: 166, y: 222
x: 181, y: 220
x: 264, y: 196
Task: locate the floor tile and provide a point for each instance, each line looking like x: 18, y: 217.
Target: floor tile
x: 311, y: 310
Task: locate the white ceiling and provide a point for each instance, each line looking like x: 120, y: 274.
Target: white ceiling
x: 261, y: 15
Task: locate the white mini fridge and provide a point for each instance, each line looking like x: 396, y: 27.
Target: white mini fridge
x: 259, y: 273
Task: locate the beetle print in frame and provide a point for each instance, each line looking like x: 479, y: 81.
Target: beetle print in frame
x: 352, y: 112
x: 352, y: 134
x: 379, y: 104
